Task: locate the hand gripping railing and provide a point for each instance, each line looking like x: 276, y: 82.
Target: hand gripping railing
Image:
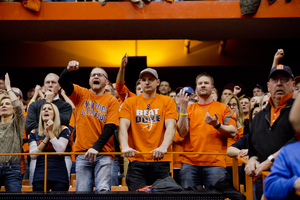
x: 101, y: 153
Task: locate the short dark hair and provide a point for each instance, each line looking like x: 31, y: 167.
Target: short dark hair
x: 207, y: 75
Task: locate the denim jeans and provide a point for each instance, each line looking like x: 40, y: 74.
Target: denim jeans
x: 140, y: 174
x: 90, y: 174
x: 191, y: 175
x: 10, y: 176
x: 115, y: 174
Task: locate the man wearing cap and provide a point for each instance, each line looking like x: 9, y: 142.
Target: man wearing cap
x: 205, y: 125
x: 271, y: 129
x: 147, y: 124
x: 190, y: 92
x: 258, y: 91
x: 18, y: 93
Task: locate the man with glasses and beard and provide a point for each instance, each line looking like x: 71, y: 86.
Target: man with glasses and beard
x: 97, y: 117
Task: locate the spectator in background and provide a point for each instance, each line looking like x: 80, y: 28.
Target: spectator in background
x: 258, y: 91
x: 215, y: 94
x: 227, y: 90
x: 11, y: 137
x: 172, y: 94
x: 253, y: 112
x: 264, y: 101
x: 254, y: 100
x: 2, y: 83
x: 122, y: 90
x: 50, y: 137
x: 245, y: 103
x: 233, y: 102
x: 18, y: 93
x: 51, y: 87
x: 296, y: 87
x: 164, y: 88
x: 30, y: 94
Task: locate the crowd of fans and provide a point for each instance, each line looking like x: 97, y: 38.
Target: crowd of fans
x: 63, y: 117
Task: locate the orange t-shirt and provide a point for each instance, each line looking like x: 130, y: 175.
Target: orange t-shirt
x: 276, y: 112
x: 205, y: 138
x: 177, y: 147
x: 92, y: 113
x: 122, y: 91
x: 147, y: 128
x: 231, y: 141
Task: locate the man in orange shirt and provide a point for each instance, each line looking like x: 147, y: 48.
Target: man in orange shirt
x: 205, y: 125
x: 97, y: 117
x: 147, y: 124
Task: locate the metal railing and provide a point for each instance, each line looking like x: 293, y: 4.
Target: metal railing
x: 46, y: 154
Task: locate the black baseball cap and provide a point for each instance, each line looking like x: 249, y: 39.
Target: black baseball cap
x: 283, y: 68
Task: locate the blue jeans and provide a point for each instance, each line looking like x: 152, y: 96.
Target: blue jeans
x: 140, y: 174
x: 90, y: 174
x: 115, y: 174
x: 191, y: 175
x: 10, y: 176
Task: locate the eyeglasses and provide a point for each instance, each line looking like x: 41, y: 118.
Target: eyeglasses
x: 282, y: 80
x: 232, y: 104
x: 98, y: 74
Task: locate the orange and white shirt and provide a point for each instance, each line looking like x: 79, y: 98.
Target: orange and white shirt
x: 92, y: 113
x: 147, y: 128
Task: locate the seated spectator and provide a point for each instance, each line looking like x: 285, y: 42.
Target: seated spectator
x: 11, y: 137
x: 50, y: 137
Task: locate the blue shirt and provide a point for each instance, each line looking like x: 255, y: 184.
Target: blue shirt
x: 279, y: 184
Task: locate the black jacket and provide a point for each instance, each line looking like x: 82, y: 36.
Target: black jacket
x: 265, y: 139
x: 33, y: 114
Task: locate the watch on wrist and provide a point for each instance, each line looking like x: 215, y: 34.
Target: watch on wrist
x: 271, y: 158
x: 218, y: 126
